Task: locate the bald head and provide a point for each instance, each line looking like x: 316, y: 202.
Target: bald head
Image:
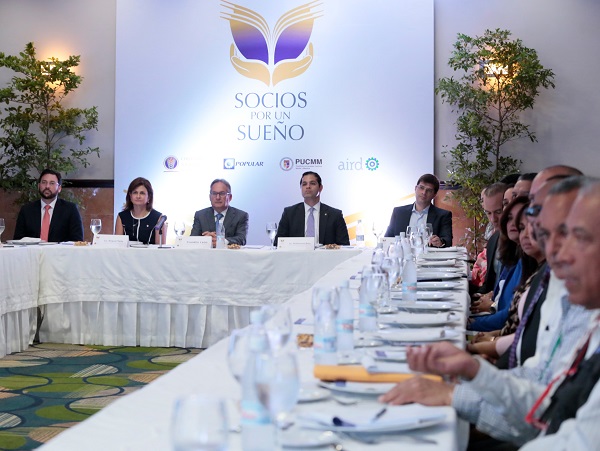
x: 551, y: 172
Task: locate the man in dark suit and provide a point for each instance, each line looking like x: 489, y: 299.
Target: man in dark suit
x: 424, y: 212
x: 312, y: 217
x: 232, y: 220
x: 51, y: 219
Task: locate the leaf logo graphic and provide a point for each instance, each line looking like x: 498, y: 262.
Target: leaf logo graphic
x: 268, y: 56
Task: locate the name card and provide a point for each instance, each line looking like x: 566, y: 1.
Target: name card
x: 296, y: 243
x: 111, y: 241
x: 193, y: 242
x: 387, y: 241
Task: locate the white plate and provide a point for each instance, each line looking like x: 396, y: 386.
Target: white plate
x: 450, y: 263
x: 440, y: 270
x: 366, y: 342
x: 27, y: 242
x: 387, y: 355
x: 311, y: 392
x: 301, y: 438
x: 419, y: 319
x: 418, y: 335
x: 438, y: 285
x: 359, y: 388
x: 139, y: 246
x: 427, y: 306
x: 427, y: 295
x: 436, y: 275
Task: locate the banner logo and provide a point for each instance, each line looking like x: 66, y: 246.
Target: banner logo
x: 229, y: 163
x: 372, y: 164
x: 170, y: 163
x: 286, y: 164
x: 271, y: 56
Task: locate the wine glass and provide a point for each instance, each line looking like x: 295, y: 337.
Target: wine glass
x: 179, y: 228
x: 427, y: 232
x: 272, y: 232
x: 1, y: 229
x: 377, y: 230
x: 391, y: 266
x: 238, y: 352
x: 278, y: 324
x: 278, y: 386
x: 96, y: 227
x: 199, y: 423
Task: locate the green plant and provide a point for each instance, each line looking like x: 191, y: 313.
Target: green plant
x: 37, y: 130
x: 500, y: 79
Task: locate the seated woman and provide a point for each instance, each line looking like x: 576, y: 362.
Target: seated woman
x: 138, y: 218
x: 531, y: 260
x: 510, y: 274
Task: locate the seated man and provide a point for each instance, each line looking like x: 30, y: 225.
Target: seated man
x: 312, y: 217
x: 424, y: 212
x: 232, y: 220
x: 51, y: 219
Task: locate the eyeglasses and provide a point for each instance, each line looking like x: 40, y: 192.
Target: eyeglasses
x: 425, y: 189
x: 533, y: 211
x: 219, y: 194
x: 46, y: 182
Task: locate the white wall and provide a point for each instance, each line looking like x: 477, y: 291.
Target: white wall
x: 565, y: 34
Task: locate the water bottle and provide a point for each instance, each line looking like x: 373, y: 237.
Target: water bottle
x: 220, y: 237
x: 325, y: 339
x: 360, y: 234
x: 378, y: 255
x: 258, y: 432
x: 345, y: 319
x: 409, y: 280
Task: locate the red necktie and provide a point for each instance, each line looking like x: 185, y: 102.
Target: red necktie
x: 45, y: 224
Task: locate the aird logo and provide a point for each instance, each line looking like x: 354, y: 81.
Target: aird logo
x: 370, y: 164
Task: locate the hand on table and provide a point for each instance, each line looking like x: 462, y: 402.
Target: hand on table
x: 435, y: 241
x: 483, y: 304
x: 214, y: 237
x: 442, y: 358
x: 421, y: 390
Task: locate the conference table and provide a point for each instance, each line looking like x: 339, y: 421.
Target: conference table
x: 146, y: 296
x: 141, y: 420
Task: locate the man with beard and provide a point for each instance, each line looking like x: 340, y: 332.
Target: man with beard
x: 50, y: 219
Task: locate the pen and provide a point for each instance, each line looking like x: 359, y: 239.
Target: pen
x: 379, y: 414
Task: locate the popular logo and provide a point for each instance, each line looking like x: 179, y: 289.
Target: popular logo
x: 271, y: 56
x: 286, y: 164
x: 170, y: 162
x: 229, y: 163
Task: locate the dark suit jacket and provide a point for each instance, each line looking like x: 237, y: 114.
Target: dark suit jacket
x: 490, y: 277
x: 440, y: 219
x: 332, y: 227
x: 66, y: 222
x: 235, y: 224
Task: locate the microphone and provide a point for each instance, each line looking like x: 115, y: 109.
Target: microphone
x: 160, y: 223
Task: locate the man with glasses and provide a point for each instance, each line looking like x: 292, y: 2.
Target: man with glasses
x: 220, y: 216
x: 312, y: 218
x: 423, y: 212
x: 51, y: 219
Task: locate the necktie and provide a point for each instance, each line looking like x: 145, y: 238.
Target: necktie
x: 512, y: 357
x: 310, y: 223
x: 45, y: 224
x: 218, y: 226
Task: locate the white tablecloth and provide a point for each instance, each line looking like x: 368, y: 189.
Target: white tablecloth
x: 141, y: 420
x: 19, y: 282
x: 167, y: 297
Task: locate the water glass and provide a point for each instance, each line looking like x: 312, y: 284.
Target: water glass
x: 2, y: 225
x: 179, y: 228
x: 391, y: 266
x: 199, y: 423
x: 96, y: 227
x: 238, y: 352
x: 272, y: 232
x: 278, y: 324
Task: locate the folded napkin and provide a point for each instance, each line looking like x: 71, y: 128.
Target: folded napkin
x: 374, y: 418
x: 357, y: 373
x: 27, y: 240
x: 450, y: 262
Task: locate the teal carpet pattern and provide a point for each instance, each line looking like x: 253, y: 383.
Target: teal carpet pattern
x: 50, y: 387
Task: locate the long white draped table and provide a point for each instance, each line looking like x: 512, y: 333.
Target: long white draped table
x: 141, y: 420
x: 166, y: 297
x: 19, y: 283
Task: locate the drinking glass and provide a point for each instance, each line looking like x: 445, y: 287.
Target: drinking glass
x: 238, y: 352
x: 199, y: 423
x: 391, y: 266
x: 96, y: 227
x: 1, y: 229
x: 278, y: 324
x: 179, y: 227
x: 272, y: 232
x: 427, y: 232
x: 377, y: 230
x: 278, y: 386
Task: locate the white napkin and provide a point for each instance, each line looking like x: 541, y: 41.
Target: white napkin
x: 27, y: 240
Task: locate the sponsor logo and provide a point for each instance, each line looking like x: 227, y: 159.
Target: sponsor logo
x: 170, y: 163
x: 286, y: 164
x: 370, y: 164
x: 271, y: 55
x: 230, y: 163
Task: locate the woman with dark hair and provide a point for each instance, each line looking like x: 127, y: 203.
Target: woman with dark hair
x: 138, y: 218
x: 509, y: 254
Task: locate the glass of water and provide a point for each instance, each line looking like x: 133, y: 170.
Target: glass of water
x: 1, y: 229
x: 96, y: 227
x: 199, y: 423
x: 272, y: 232
x: 179, y: 228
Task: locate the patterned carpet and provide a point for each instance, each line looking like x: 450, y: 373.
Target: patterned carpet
x: 51, y: 387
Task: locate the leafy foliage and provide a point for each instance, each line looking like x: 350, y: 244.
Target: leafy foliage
x: 37, y: 130
x: 500, y: 79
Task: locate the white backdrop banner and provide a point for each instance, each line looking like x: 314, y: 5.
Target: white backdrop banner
x: 257, y: 92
